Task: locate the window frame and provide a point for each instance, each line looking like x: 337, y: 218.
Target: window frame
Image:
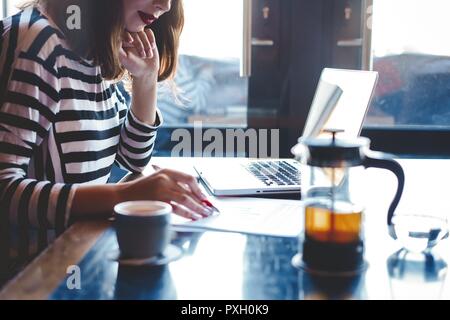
x: 410, y: 141
x: 422, y: 141
x: 4, y: 8
x: 401, y: 140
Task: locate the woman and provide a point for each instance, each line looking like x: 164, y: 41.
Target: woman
x: 63, y: 122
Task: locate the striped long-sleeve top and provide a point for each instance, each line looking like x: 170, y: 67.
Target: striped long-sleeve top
x: 61, y: 125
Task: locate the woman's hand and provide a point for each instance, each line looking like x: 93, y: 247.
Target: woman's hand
x: 176, y: 188
x: 139, y: 55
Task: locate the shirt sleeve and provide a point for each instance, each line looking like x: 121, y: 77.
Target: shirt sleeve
x: 28, y: 110
x: 137, y: 141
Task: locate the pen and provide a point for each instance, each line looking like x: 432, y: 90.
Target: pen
x: 209, y: 204
x: 206, y: 201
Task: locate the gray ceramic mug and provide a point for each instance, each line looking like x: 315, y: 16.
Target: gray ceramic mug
x: 142, y: 228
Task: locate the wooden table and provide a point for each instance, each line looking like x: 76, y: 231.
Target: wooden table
x: 236, y: 266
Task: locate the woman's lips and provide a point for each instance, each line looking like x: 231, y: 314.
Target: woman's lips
x: 146, y: 18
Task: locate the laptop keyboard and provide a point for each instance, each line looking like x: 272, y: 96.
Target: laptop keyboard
x: 273, y: 173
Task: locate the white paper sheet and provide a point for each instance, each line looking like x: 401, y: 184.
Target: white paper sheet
x: 282, y: 218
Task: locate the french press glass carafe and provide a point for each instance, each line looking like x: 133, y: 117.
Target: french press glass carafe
x: 333, y: 215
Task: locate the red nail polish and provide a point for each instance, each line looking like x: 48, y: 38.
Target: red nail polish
x: 209, y: 204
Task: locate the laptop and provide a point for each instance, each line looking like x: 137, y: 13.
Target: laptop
x: 341, y: 101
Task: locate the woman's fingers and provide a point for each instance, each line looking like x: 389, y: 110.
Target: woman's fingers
x: 181, y: 197
x: 127, y: 40
x: 127, y: 45
x: 151, y: 37
x: 146, y: 43
x: 186, y: 179
x: 139, y: 45
x: 178, y: 187
x: 122, y: 53
x: 184, y: 212
x: 127, y: 37
x: 199, y: 199
x: 123, y: 56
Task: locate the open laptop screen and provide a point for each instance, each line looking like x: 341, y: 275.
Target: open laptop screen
x: 341, y: 101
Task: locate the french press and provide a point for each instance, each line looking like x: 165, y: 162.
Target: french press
x: 333, y: 213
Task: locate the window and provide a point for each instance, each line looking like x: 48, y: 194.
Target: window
x: 412, y: 56
x: 212, y: 91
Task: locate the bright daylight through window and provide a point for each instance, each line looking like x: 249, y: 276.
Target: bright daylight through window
x: 212, y: 92
x: 412, y: 55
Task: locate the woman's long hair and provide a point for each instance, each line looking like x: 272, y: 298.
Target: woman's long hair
x: 102, y: 26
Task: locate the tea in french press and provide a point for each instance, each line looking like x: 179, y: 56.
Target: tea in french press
x: 333, y: 240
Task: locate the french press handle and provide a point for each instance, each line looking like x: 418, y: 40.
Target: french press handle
x: 380, y: 160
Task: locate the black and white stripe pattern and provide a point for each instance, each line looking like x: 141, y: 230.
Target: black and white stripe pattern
x: 61, y: 125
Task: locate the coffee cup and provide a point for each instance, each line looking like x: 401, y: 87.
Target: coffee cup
x: 142, y: 228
